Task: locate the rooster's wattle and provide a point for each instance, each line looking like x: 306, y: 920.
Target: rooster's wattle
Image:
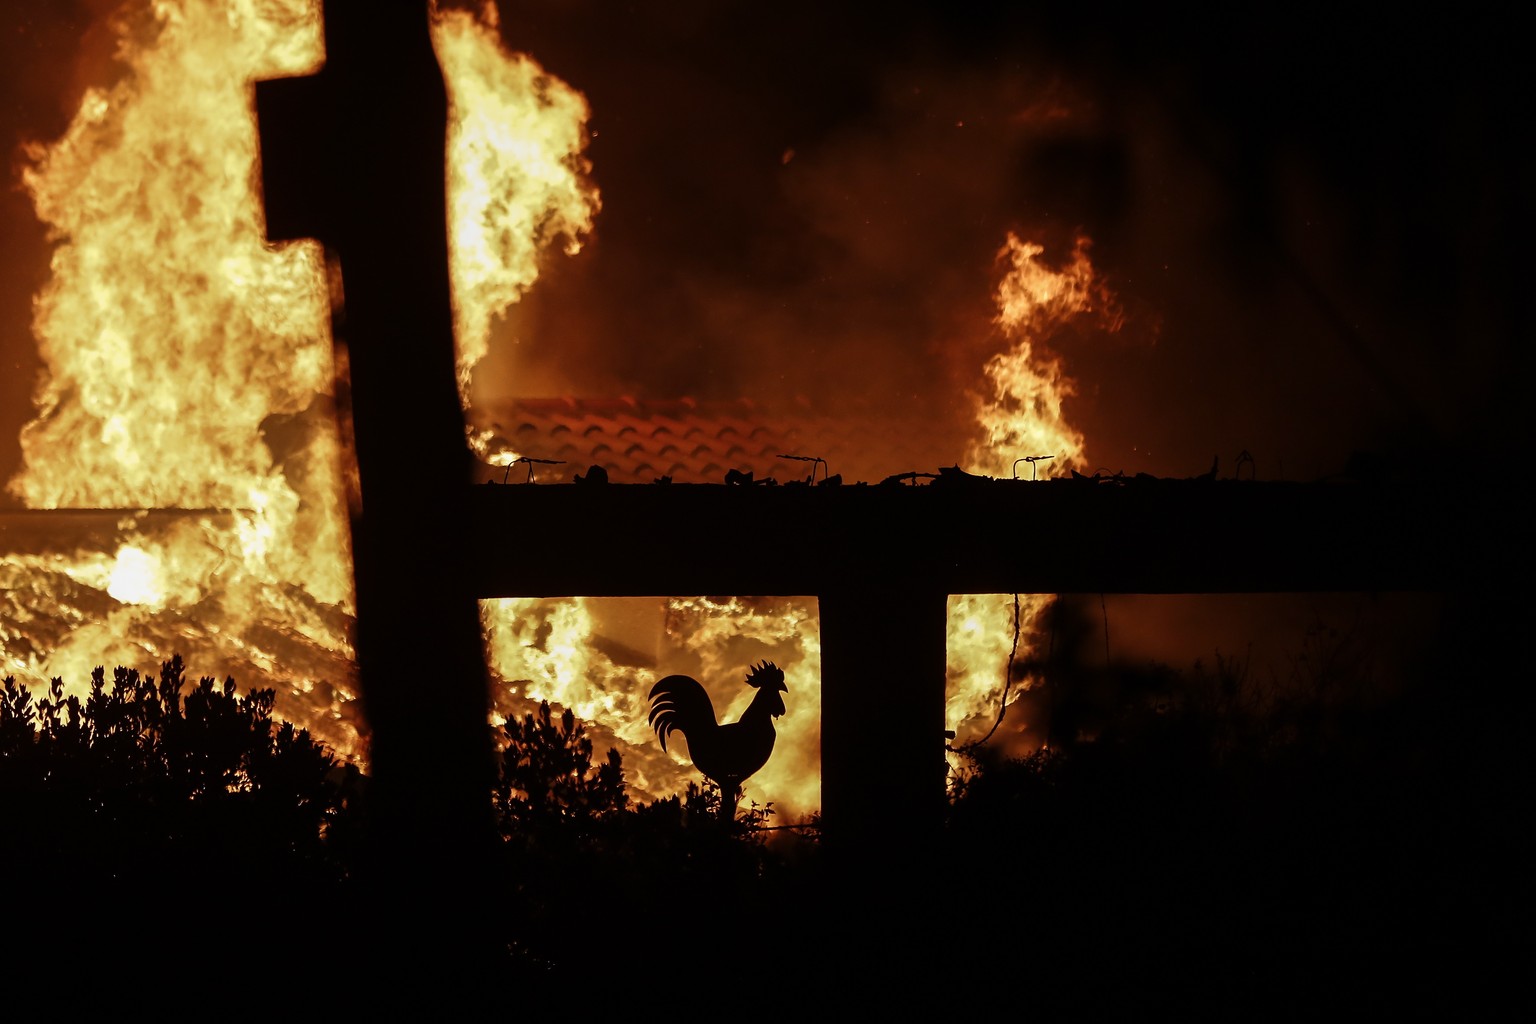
x: 726, y: 754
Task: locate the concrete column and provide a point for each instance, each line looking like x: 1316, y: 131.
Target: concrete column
x: 882, y: 781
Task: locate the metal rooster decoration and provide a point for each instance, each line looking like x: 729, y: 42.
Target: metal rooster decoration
x: 727, y: 754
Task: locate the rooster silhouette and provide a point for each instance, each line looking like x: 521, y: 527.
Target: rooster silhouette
x: 725, y: 754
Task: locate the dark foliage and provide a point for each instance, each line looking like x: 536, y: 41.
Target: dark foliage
x: 547, y: 779
x: 1191, y: 840
x: 1220, y: 844
x: 142, y: 768
x: 582, y: 862
x: 151, y: 807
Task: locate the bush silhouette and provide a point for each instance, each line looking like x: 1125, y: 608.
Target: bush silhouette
x: 547, y: 778
x: 576, y: 851
x: 154, y: 760
x: 1195, y: 834
x: 151, y: 804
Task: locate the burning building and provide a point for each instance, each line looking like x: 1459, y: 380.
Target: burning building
x: 189, y: 379
x: 189, y: 384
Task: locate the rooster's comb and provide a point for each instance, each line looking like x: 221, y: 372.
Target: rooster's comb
x: 767, y: 674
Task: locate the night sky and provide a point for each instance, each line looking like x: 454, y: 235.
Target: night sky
x: 1313, y: 225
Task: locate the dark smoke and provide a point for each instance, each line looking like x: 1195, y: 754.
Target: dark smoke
x: 1314, y: 225
x: 1318, y: 222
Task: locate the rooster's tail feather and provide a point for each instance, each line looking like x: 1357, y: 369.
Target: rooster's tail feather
x: 680, y: 704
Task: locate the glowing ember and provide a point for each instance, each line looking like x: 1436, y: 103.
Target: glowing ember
x: 135, y: 577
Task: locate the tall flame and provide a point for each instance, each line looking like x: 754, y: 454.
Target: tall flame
x: 178, y: 349
x: 1020, y: 416
x: 519, y: 179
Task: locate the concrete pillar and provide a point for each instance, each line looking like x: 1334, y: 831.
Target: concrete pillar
x: 883, y: 773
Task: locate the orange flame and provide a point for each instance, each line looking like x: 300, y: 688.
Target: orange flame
x: 178, y: 346
x: 519, y: 179
x: 1020, y: 415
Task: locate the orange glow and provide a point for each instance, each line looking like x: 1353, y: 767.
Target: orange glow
x: 190, y: 365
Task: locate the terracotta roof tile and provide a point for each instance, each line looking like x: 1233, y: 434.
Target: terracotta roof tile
x: 698, y: 442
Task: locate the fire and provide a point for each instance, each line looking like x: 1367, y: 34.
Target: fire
x: 135, y: 577
x: 519, y: 182
x: 552, y: 650
x: 1019, y: 413
x: 189, y: 365
x: 727, y: 636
